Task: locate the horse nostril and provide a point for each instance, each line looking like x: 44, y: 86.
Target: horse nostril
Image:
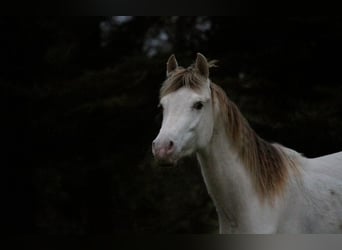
x: 170, y: 145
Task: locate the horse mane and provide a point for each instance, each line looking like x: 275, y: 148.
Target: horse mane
x: 268, y: 164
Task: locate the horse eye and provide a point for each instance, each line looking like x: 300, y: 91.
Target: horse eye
x: 198, y: 105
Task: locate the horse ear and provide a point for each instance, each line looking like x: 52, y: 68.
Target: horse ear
x: 171, y: 65
x: 202, y: 65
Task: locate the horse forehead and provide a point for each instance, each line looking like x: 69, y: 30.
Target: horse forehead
x: 185, y: 95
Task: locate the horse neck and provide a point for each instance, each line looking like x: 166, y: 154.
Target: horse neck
x: 227, y: 180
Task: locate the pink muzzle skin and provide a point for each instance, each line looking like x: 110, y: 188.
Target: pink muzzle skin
x: 163, y: 151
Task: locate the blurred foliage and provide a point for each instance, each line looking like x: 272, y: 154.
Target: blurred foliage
x: 79, y: 98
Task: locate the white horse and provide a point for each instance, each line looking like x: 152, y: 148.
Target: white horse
x: 256, y: 186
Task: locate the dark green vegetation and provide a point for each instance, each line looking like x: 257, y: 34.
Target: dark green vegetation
x: 79, y: 109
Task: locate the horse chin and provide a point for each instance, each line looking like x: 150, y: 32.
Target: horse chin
x: 173, y: 159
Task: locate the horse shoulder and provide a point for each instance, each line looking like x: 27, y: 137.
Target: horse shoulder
x: 320, y: 193
x: 314, y: 198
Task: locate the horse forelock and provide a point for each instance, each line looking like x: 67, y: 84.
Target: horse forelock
x: 268, y: 164
x: 184, y: 77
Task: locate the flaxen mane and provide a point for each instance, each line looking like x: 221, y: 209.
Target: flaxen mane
x: 267, y: 163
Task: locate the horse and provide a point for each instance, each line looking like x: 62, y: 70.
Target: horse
x: 256, y: 186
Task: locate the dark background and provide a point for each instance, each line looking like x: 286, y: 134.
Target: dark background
x: 79, y: 112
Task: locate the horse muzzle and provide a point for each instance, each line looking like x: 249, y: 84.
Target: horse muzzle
x: 164, y: 152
